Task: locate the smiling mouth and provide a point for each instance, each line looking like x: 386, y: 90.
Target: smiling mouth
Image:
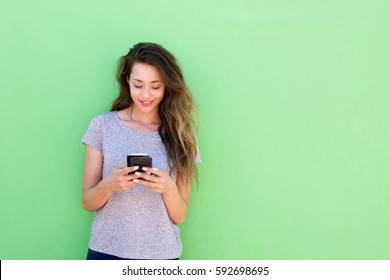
x: 146, y: 103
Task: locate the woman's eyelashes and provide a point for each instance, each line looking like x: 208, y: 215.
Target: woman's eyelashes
x: 155, y: 87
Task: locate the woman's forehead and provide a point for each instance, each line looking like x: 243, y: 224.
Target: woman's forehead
x: 145, y: 73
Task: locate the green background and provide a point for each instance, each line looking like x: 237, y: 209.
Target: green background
x: 294, y: 122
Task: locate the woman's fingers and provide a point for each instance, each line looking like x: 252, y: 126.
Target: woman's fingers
x: 148, y: 177
x: 155, y: 180
x: 124, y: 177
x: 128, y: 170
x: 154, y: 171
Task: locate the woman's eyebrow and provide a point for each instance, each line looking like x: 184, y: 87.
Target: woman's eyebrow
x: 157, y: 81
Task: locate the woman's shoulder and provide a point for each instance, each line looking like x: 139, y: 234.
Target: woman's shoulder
x: 104, y: 117
x: 103, y: 120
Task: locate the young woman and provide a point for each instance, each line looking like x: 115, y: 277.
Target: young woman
x: 137, y: 213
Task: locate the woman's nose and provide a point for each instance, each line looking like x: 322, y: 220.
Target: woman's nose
x: 145, y: 92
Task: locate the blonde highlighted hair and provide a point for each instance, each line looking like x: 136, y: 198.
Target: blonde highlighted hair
x: 176, y: 110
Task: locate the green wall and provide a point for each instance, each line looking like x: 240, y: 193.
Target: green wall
x: 294, y: 122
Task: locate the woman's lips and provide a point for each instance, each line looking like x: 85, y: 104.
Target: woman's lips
x: 146, y: 103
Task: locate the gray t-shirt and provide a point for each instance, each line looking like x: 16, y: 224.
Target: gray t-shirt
x: 133, y: 224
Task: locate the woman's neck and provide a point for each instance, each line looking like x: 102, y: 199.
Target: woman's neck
x: 151, y: 119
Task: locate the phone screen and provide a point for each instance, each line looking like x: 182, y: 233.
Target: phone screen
x: 140, y: 160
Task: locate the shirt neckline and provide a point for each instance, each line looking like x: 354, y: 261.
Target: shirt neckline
x: 131, y: 129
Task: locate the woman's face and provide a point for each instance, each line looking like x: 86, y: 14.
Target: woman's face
x: 146, y: 87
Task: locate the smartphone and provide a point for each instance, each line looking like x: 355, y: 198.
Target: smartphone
x: 140, y: 160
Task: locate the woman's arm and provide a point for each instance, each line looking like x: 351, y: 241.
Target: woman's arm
x: 96, y: 191
x: 177, y: 200
x: 176, y: 195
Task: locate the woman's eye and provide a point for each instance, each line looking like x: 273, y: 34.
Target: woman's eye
x: 137, y: 86
x: 155, y: 87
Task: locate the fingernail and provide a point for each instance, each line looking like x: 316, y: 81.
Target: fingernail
x: 135, y: 167
x: 135, y: 181
x: 137, y: 173
x: 144, y: 168
x: 155, y: 168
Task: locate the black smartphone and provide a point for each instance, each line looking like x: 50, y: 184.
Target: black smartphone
x: 140, y: 160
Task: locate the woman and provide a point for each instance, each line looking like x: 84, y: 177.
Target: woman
x: 137, y: 213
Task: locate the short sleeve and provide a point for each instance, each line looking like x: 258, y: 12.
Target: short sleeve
x: 197, y: 158
x: 93, y: 136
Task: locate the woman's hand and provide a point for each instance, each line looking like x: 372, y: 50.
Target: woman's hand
x: 119, y: 179
x: 156, y: 180
x: 176, y: 195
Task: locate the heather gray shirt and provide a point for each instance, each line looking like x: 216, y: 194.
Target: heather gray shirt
x: 133, y: 224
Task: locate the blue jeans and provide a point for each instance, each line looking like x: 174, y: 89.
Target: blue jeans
x: 93, y: 255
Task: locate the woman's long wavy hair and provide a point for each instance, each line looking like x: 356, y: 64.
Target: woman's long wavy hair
x: 178, y: 127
